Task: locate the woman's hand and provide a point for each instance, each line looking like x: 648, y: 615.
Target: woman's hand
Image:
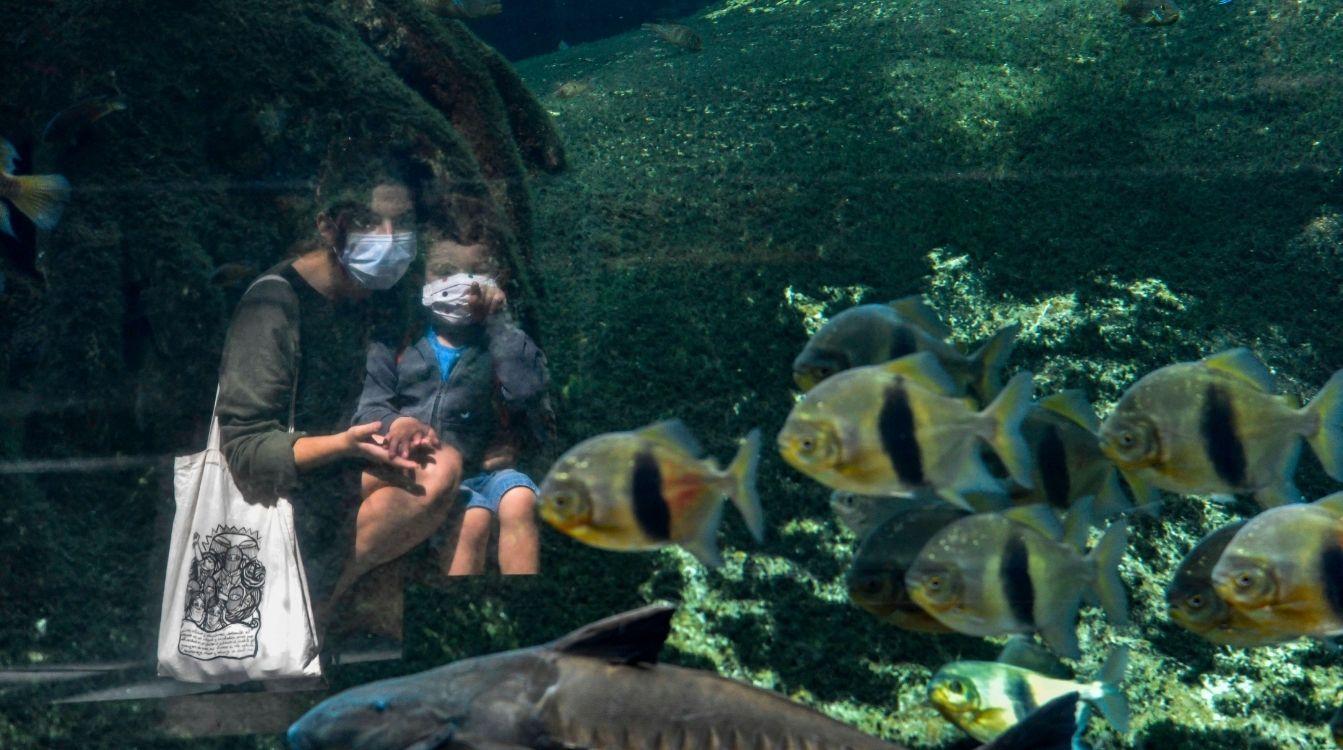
x: 363, y: 441
x: 407, y: 434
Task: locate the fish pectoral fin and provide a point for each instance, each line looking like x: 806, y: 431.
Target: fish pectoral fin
x: 1239, y: 363
x: 924, y: 369
x: 1073, y: 406
x: 672, y: 432
x: 443, y: 739
x: 1039, y: 517
x: 917, y: 311
x: 1022, y: 651
x: 629, y: 637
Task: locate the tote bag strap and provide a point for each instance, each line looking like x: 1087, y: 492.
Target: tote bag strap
x: 212, y: 443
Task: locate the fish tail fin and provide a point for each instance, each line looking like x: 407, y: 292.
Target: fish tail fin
x: 1006, y: 414
x: 986, y: 363
x: 742, y: 473
x: 41, y: 197
x: 704, y: 545
x: 1105, y: 557
x: 1111, y: 701
x: 5, y: 226
x: 1327, y: 440
x: 1110, y: 500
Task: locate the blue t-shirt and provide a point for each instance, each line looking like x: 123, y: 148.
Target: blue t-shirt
x: 447, y: 355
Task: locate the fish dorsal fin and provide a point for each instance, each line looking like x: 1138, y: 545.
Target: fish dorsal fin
x: 8, y: 156
x: 672, y: 432
x: 1041, y: 518
x: 1073, y: 406
x: 923, y: 369
x: 915, y: 310
x: 630, y: 637
x: 1242, y: 364
x: 1023, y: 652
x: 1332, y: 503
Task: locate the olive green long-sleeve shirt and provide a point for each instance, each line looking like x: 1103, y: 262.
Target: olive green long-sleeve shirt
x: 256, y: 382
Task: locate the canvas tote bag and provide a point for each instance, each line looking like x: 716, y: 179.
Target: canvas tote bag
x: 235, y: 598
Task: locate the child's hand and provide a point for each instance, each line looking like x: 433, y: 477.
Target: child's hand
x: 408, y: 434
x: 485, y: 300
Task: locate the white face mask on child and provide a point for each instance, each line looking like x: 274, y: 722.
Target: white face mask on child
x: 448, y: 298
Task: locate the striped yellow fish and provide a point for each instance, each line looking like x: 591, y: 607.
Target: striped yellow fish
x: 871, y: 334
x: 987, y: 698
x: 1019, y: 571
x: 1216, y: 427
x: 896, y: 428
x: 1284, y: 569
x: 1067, y: 463
x: 650, y: 488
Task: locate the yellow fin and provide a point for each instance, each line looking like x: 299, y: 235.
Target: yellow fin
x: 915, y: 310
x: 674, y: 433
x: 1242, y: 364
x: 1332, y: 503
x: 1073, y: 406
x: 923, y: 368
x: 1041, y: 518
x: 42, y: 197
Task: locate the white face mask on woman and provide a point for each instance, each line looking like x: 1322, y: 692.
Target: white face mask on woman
x: 448, y: 298
x: 378, y: 261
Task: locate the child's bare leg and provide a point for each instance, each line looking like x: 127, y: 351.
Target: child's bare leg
x: 518, y: 540
x: 472, y: 539
x: 392, y: 520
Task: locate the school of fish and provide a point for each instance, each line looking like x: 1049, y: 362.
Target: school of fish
x: 972, y: 504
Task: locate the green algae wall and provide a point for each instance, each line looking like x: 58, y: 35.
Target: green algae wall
x: 1132, y: 196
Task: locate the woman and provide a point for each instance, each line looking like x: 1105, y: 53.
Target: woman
x: 298, y: 342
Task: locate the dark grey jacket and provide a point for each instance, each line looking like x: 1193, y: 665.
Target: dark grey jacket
x: 499, y: 361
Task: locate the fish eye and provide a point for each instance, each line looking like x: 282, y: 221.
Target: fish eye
x: 379, y: 705
x: 934, y: 583
x: 1127, y: 438
x: 561, y: 501
x: 1195, y: 601
x: 1244, y: 580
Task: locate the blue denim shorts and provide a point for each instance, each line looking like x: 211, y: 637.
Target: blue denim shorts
x: 485, y: 490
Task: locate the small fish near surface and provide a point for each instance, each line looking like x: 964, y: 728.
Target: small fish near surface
x: 600, y: 687
x: 1068, y: 464
x: 872, y: 334
x: 40, y: 197
x: 648, y: 489
x: 1284, y: 569
x: 1196, y: 606
x: 677, y: 34
x: 898, y: 428
x: 1020, y: 571
x: 876, y: 579
x: 1151, y: 12
x: 68, y: 125
x: 988, y: 698
x: 570, y: 89
x: 1216, y: 426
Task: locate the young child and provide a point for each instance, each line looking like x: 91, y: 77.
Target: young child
x: 479, y: 383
